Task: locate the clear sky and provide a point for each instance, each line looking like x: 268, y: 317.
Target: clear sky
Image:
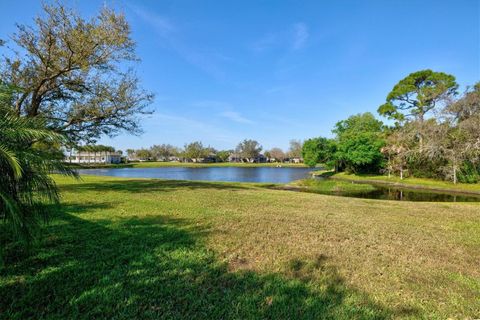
x: 273, y: 71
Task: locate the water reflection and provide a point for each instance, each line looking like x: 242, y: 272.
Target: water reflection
x: 230, y: 174
x: 404, y: 194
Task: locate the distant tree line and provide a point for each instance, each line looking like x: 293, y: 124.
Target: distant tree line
x: 434, y: 132
x: 247, y: 150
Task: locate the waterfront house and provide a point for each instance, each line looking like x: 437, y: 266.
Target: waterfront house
x: 91, y: 157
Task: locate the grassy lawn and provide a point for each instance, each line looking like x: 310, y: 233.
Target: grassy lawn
x: 159, y: 164
x: 411, y: 182
x: 140, y: 248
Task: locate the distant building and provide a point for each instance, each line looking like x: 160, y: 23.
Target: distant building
x: 94, y: 157
x: 296, y: 160
x: 165, y: 159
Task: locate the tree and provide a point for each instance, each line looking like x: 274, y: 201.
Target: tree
x: 74, y: 74
x: 130, y: 153
x: 26, y: 186
x: 249, y: 149
x: 268, y: 155
x: 223, y: 155
x: 195, y: 151
x: 163, y: 151
x: 277, y: 154
x: 467, y: 107
x: 417, y: 94
x: 295, y: 150
x: 143, y: 154
x: 359, y: 141
x: 400, y: 146
x: 318, y: 150
x: 458, y: 139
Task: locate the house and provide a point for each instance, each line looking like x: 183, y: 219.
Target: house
x: 296, y: 160
x: 210, y: 158
x: 90, y: 157
x: 168, y: 159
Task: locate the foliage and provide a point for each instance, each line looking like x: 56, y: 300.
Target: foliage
x: 445, y: 146
x: 74, y: 73
x: 417, y: 94
x: 249, y: 149
x: 223, y: 155
x: 318, y: 150
x: 26, y: 163
x: 359, y: 141
x: 295, y: 150
x: 195, y: 150
x: 164, y: 151
x: 96, y: 148
x: 143, y: 154
x: 277, y: 154
x: 467, y: 107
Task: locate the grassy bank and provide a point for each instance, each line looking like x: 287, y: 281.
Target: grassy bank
x: 330, y: 186
x: 411, y: 182
x: 139, y: 248
x: 159, y: 164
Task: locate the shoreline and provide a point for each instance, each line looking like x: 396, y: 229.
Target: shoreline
x: 189, y: 165
x: 457, y: 189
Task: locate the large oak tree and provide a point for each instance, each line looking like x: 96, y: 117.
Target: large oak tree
x: 76, y: 74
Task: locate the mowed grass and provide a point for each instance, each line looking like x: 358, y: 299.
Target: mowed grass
x: 150, y: 249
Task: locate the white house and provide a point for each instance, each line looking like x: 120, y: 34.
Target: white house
x: 94, y: 157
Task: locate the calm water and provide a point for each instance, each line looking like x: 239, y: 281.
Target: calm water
x: 382, y: 192
x: 231, y: 174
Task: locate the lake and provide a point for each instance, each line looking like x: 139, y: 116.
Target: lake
x: 229, y: 174
x: 275, y: 175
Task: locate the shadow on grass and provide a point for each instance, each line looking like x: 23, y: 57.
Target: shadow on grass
x: 157, y: 267
x: 147, y: 186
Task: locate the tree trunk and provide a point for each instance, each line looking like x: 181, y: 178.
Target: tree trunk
x: 389, y: 165
x: 401, y: 173
x: 454, y: 174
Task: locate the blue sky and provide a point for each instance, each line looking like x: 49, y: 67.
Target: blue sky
x: 273, y: 71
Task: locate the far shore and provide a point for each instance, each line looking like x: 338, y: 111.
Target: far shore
x: 159, y: 164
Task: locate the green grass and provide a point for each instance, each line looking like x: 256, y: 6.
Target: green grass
x: 411, y: 182
x: 159, y: 164
x: 331, y: 186
x: 150, y: 249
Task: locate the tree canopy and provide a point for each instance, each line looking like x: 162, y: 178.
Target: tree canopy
x: 249, y: 149
x: 417, y: 94
x: 76, y: 74
x: 359, y: 141
x: 195, y: 150
x: 295, y: 150
x: 277, y: 154
x: 318, y: 150
x: 163, y: 151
